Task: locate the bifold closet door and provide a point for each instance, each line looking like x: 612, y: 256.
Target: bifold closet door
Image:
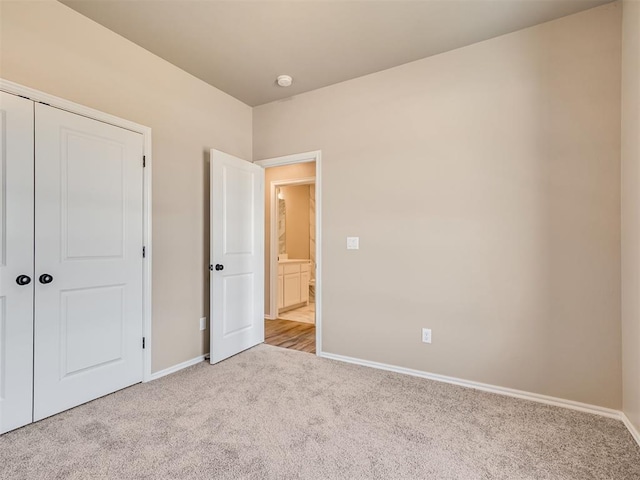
x: 88, y: 259
x: 16, y: 261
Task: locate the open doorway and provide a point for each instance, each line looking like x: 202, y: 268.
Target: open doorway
x: 291, y: 252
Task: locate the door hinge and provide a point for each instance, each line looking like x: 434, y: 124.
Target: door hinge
x: 144, y: 252
x: 144, y: 161
x: 144, y: 345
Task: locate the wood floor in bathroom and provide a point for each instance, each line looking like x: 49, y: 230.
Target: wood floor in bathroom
x: 289, y: 334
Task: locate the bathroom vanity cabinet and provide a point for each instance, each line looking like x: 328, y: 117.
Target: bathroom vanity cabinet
x: 293, y: 284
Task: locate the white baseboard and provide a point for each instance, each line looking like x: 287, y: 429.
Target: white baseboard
x: 269, y: 317
x: 535, y: 397
x: 635, y: 433
x: 177, y: 368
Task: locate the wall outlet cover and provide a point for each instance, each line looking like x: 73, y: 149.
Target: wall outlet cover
x: 426, y: 335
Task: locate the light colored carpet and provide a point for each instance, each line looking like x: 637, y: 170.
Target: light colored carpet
x: 272, y: 413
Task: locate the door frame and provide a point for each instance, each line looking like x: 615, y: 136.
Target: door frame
x: 306, y: 157
x: 53, y: 101
x: 273, y: 244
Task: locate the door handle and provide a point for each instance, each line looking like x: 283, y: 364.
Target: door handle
x: 219, y: 267
x: 45, y: 278
x: 23, y: 280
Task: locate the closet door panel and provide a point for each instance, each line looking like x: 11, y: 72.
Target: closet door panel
x: 16, y: 261
x: 88, y: 339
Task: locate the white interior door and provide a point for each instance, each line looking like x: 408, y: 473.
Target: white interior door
x: 88, y: 259
x: 237, y: 255
x: 16, y: 261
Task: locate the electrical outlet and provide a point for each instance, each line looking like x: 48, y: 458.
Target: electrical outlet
x: 203, y: 323
x: 426, y: 335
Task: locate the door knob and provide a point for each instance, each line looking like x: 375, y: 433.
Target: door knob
x: 45, y: 278
x: 23, y: 280
x: 219, y: 267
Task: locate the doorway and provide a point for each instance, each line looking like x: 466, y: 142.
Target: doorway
x: 292, y: 252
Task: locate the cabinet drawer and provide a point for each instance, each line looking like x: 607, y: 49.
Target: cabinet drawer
x: 305, y: 267
x: 294, y: 268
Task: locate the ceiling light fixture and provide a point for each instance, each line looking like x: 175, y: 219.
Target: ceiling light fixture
x: 284, y: 80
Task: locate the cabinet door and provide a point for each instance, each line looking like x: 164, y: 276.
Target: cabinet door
x: 16, y: 261
x: 304, y: 287
x: 280, y: 291
x: 291, y: 289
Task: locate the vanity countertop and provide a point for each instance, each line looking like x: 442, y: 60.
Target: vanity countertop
x: 294, y: 260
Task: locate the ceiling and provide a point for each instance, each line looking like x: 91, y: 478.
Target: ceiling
x: 241, y: 46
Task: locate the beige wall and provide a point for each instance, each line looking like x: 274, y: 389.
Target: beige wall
x: 296, y: 199
x: 287, y: 172
x: 47, y: 46
x: 631, y: 210
x: 485, y: 186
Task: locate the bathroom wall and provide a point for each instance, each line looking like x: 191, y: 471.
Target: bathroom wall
x: 296, y: 201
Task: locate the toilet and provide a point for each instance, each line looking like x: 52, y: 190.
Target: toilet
x: 312, y: 290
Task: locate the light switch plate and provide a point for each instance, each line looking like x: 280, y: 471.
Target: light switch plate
x: 203, y: 323
x: 353, y: 243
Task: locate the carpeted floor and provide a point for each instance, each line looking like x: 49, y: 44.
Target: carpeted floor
x: 272, y: 413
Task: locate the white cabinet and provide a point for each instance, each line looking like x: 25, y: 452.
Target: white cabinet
x: 293, y: 284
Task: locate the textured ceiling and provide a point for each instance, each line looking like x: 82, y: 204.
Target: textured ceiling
x: 241, y: 46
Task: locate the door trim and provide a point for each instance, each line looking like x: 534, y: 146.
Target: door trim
x: 53, y: 101
x: 273, y: 244
x: 306, y: 157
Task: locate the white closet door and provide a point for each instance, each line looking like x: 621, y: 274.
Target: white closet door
x: 88, y: 260
x: 16, y: 261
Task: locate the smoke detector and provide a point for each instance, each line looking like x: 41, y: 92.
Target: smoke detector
x: 284, y: 80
